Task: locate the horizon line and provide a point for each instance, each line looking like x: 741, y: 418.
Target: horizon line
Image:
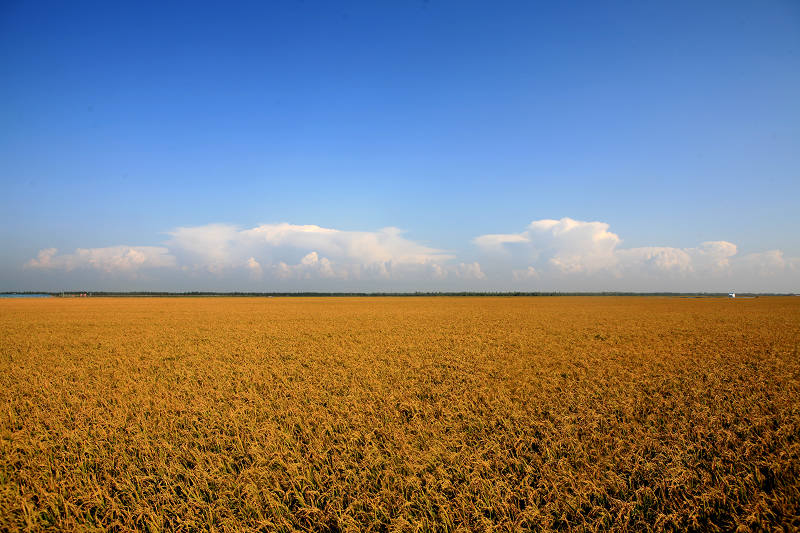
x: 388, y: 293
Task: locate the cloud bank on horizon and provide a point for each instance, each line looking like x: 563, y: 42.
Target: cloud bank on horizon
x: 567, y: 248
x: 563, y: 254
x: 278, y: 252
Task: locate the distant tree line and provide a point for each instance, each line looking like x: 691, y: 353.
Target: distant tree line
x: 383, y: 294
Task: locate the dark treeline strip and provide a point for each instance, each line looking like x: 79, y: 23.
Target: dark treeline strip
x: 383, y: 294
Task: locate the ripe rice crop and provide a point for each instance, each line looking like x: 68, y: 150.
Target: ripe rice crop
x: 399, y: 414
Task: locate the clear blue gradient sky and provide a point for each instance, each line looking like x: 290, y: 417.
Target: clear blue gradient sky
x: 673, y: 123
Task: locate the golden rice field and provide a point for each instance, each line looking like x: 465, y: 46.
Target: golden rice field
x: 399, y: 414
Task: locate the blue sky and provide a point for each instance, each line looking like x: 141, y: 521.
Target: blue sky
x: 165, y: 147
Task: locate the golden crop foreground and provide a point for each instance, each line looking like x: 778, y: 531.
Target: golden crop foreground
x: 407, y: 414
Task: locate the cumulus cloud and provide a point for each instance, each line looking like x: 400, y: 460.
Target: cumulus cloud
x: 769, y: 263
x: 127, y: 259
x: 526, y: 274
x: 290, y: 251
x: 469, y: 271
x: 575, y: 246
x: 255, y: 268
x: 44, y: 259
x: 275, y: 251
x: 571, y: 248
x: 311, y: 266
x: 567, y: 245
x: 712, y: 255
x: 363, y: 247
x: 548, y: 254
x: 653, y: 259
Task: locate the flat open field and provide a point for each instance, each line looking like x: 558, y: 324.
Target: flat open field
x: 403, y: 414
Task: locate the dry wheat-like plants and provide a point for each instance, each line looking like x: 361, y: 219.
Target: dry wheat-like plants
x: 399, y: 414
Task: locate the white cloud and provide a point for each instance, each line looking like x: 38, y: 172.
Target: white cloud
x: 126, y: 259
x: 713, y: 255
x: 363, y: 247
x: 566, y: 249
x: 497, y: 240
x: 654, y: 260
x: 548, y: 254
x: 311, y: 266
x: 289, y: 251
x: 44, y: 259
x: 769, y: 263
x: 275, y: 251
x: 569, y: 245
x: 524, y: 275
x: 469, y: 271
x: 255, y: 268
x: 208, y: 247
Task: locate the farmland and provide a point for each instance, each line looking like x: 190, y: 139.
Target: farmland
x: 384, y: 414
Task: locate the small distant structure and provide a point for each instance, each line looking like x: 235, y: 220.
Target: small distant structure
x: 731, y: 294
